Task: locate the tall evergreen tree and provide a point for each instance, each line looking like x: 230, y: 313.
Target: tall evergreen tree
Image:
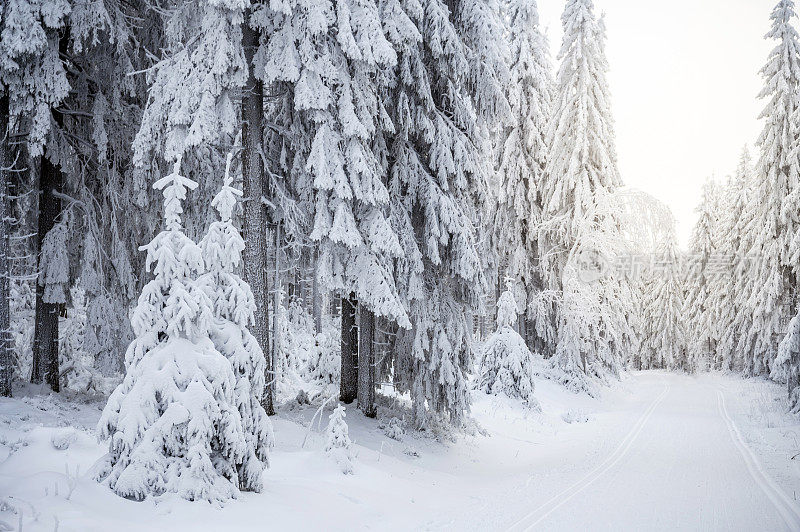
x: 332, y: 58
x: 35, y: 37
x: 255, y: 188
x: 665, y: 335
x: 703, y: 269
x: 582, y: 176
x: 775, y: 272
x: 523, y: 157
x: 439, y: 176
x: 6, y: 165
x: 732, y: 252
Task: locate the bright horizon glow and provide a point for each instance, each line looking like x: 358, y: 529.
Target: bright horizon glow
x: 684, y: 81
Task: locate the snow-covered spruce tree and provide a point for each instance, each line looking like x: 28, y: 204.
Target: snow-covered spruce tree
x: 582, y: 158
x: 777, y: 241
x: 332, y: 58
x: 192, y: 99
x: 701, y: 270
x: 173, y: 424
x: 598, y: 322
x: 438, y: 177
x: 734, y: 250
x: 523, y: 153
x: 581, y: 177
x: 507, y: 365
x: 664, y: 338
x: 338, y: 444
x: 233, y: 310
x: 7, y: 157
x: 745, y: 276
x: 114, y: 208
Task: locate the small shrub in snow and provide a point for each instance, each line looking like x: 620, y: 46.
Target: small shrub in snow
x: 507, y: 365
x: 393, y: 428
x: 77, y: 369
x: 302, y: 398
x: 575, y: 416
x: 338, y: 446
x: 22, y: 303
x: 63, y: 438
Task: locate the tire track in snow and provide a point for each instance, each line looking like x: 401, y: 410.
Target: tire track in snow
x: 786, y: 508
x: 530, y: 520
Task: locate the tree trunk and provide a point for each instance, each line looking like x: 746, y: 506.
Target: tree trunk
x: 272, y: 359
x: 6, y: 163
x: 316, y: 298
x: 366, y: 362
x: 45, y: 339
x: 348, y: 389
x: 255, y: 222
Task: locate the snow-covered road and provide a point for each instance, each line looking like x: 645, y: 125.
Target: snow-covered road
x: 658, y: 451
x: 682, y: 465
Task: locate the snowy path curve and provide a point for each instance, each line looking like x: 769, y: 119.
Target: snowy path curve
x: 535, y: 517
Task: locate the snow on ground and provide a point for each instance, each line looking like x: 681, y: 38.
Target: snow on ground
x: 659, y: 451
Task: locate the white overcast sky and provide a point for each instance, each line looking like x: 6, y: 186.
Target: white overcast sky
x: 684, y: 78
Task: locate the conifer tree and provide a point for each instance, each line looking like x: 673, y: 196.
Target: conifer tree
x: 507, y: 365
x: 732, y: 252
x: 702, y: 270
x: 776, y: 197
x: 6, y: 165
x: 233, y: 307
x: 332, y: 57
x: 665, y: 335
x: 582, y: 159
x: 439, y: 177
x: 255, y: 187
x: 577, y: 196
x: 173, y: 424
x: 523, y: 157
x: 34, y: 37
x: 338, y: 444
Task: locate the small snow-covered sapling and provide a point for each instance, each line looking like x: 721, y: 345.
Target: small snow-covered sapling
x: 338, y: 446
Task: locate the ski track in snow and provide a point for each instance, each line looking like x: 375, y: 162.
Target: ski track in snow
x: 787, y: 510
x: 535, y: 517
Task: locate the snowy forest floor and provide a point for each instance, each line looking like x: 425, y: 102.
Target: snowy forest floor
x: 658, y: 451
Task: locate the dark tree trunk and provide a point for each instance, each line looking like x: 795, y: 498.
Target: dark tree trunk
x: 348, y: 389
x: 45, y: 338
x: 366, y: 362
x: 272, y: 358
x: 51, y: 183
x: 316, y: 298
x: 6, y: 163
x: 255, y: 222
